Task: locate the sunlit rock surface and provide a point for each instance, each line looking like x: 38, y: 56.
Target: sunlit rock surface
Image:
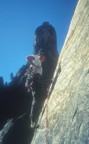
x: 68, y: 105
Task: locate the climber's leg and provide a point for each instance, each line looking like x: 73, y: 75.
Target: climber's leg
x: 32, y: 107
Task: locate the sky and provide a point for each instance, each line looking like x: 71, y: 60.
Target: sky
x: 18, y: 22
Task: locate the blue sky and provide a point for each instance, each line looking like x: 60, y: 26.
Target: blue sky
x: 18, y: 21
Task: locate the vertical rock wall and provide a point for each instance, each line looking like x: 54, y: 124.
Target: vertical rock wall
x: 68, y: 106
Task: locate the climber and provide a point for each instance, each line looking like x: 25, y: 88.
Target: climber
x: 34, y: 74
x: 34, y: 71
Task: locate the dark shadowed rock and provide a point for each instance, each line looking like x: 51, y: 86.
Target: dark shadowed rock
x: 45, y: 40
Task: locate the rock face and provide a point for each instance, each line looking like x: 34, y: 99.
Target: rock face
x: 66, y: 119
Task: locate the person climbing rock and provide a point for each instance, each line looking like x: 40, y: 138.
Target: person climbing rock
x: 34, y: 71
x: 34, y: 75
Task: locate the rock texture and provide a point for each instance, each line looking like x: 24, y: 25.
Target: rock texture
x: 66, y: 119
